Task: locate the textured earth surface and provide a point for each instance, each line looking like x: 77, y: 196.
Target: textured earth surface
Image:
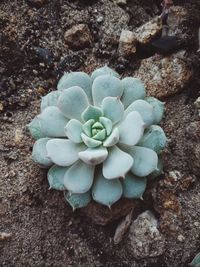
x: 37, y: 228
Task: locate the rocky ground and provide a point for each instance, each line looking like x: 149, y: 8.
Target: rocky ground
x: 39, y: 40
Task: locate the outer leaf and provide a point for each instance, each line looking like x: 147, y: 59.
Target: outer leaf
x: 63, y: 152
x: 133, y: 187
x: 131, y: 129
x: 80, y: 79
x: 79, y: 178
x: 35, y: 129
x: 104, y: 71
x: 50, y: 99
x: 158, y: 171
x: 104, y: 86
x: 91, y: 112
x: 56, y: 177
x: 106, y: 192
x: 52, y: 122
x: 113, y: 109
x: 117, y: 164
x: 78, y: 201
x: 39, y: 153
x: 73, y: 131
x: 145, y: 160
x: 93, y: 156
x: 72, y: 102
x: 154, y: 138
x: 112, y: 139
x: 158, y: 108
x: 145, y: 110
x: 133, y: 89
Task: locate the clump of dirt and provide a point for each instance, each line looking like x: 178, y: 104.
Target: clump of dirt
x: 43, y: 229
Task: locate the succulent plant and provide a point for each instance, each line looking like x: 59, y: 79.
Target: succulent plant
x: 99, y: 136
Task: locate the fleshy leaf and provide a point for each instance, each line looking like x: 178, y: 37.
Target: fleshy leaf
x: 50, y: 99
x: 72, y: 102
x: 104, y: 71
x: 91, y: 112
x: 35, y: 129
x: 93, y: 156
x: 97, y: 125
x: 133, y: 89
x: 73, y: 130
x: 158, y: 108
x: 145, y: 160
x: 158, y: 171
x: 131, y: 129
x: 56, y: 177
x: 113, y: 109
x: 52, y: 122
x: 90, y: 142
x: 101, y: 135
x: 39, y: 153
x: 63, y: 152
x: 78, y: 201
x: 117, y: 164
x: 104, y: 86
x: 87, y: 127
x: 79, y: 178
x: 154, y: 138
x: 133, y: 187
x: 196, y: 261
x: 145, y: 110
x: 112, y: 139
x: 107, y: 123
x: 105, y: 191
x: 80, y: 79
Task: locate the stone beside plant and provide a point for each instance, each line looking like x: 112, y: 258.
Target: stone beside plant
x: 99, y: 137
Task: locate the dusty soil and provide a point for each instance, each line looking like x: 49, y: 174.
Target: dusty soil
x: 44, y: 230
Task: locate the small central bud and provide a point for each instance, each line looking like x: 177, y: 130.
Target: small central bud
x: 95, y: 131
x: 97, y: 125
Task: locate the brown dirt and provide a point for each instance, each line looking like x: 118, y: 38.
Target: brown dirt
x: 45, y: 231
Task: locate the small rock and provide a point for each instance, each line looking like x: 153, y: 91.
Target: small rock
x: 100, y: 19
x: 165, y: 76
x: 181, y: 238
x: 12, y: 155
x: 36, y: 3
x: 103, y: 215
x: 148, y: 31
x: 79, y: 36
x: 145, y: 238
x: 175, y: 175
x: 127, y: 43
x: 176, y: 18
x: 18, y: 136
x: 122, y: 228
x: 44, y: 55
x: 4, y: 236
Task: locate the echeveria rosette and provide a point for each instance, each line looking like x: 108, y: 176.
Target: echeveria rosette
x: 100, y: 136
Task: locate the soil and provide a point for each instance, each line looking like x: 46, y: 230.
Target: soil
x: 33, y: 55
